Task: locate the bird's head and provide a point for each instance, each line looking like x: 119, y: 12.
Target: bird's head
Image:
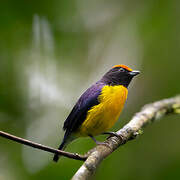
x: 119, y: 75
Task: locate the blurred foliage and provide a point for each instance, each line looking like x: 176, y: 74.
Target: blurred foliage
x: 51, y: 51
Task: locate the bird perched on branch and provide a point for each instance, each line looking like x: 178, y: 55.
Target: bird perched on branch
x: 99, y: 107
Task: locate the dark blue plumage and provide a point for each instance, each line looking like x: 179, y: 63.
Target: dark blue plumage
x: 78, y: 114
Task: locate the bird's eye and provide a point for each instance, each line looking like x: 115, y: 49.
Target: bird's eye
x: 121, y: 69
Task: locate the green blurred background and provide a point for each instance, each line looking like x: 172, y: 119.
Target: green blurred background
x: 51, y: 51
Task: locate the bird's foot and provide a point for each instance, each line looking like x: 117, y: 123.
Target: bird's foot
x: 111, y: 133
x: 98, y: 142
x: 114, y: 134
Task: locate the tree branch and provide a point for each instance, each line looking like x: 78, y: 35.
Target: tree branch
x: 42, y: 147
x: 148, y: 114
x: 93, y: 158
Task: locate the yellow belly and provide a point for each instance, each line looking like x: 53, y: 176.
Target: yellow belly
x: 103, y: 116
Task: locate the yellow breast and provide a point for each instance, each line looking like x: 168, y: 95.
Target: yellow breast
x: 103, y: 116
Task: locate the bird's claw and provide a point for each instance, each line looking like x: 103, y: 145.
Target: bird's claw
x: 116, y: 135
x: 112, y: 134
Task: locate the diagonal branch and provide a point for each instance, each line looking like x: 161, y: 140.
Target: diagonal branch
x: 93, y: 158
x: 42, y: 147
x: 148, y: 114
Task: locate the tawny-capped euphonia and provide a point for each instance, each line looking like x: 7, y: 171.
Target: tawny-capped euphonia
x: 99, y: 106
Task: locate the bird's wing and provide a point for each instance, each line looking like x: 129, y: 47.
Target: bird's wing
x: 84, y: 104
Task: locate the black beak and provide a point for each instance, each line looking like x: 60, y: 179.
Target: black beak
x: 134, y: 73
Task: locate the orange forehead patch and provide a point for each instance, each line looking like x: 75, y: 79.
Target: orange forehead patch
x: 123, y: 66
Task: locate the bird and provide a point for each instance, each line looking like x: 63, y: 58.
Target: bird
x: 99, y: 107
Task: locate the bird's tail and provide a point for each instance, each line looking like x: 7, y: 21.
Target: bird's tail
x: 61, y: 147
x: 66, y: 140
